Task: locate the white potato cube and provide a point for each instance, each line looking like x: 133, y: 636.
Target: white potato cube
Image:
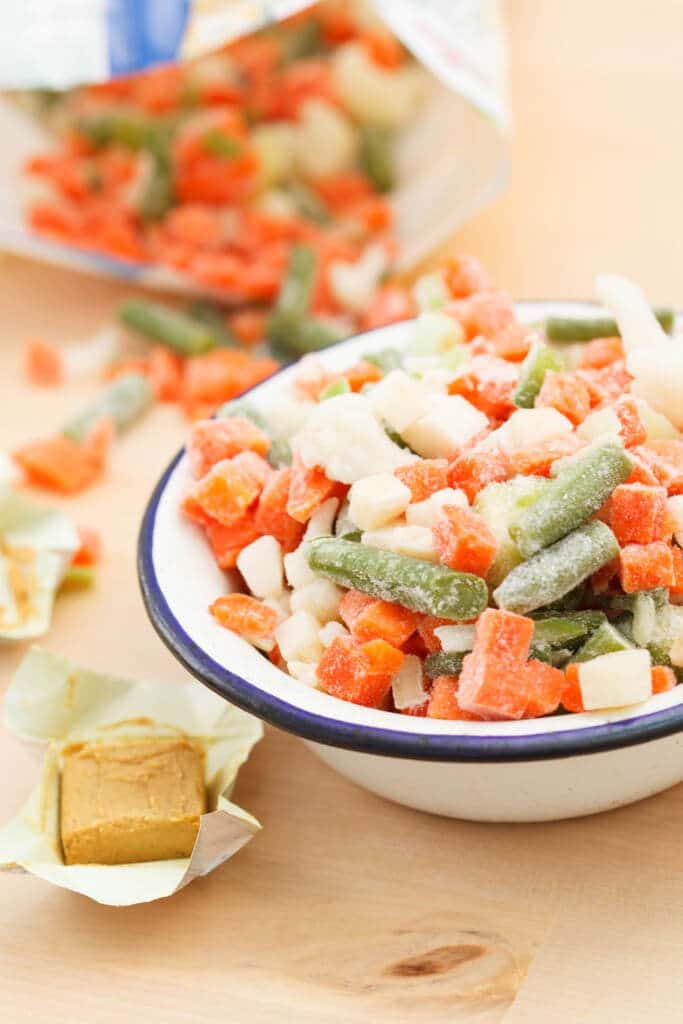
x: 675, y: 506
x: 304, y: 671
x: 455, y: 639
x: 320, y: 523
x: 434, y: 333
x: 398, y: 399
x: 297, y: 570
x: 343, y: 436
x: 407, y: 684
x: 424, y: 513
x: 297, y: 638
x: 533, y: 426
x: 321, y: 598
x: 450, y: 423
x: 599, y: 423
x: 331, y: 631
x: 615, y: 680
x: 376, y: 500
x: 261, y: 566
x: 414, y: 541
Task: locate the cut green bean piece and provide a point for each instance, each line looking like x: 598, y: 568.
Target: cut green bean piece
x: 308, y: 203
x: 297, y: 288
x: 562, y: 328
x: 295, y: 336
x: 577, y: 491
x: 219, y: 144
x: 387, y: 359
x: 158, y: 196
x: 210, y: 314
x: 540, y: 359
x: 376, y: 156
x: 442, y: 664
x: 556, y: 570
x: 175, y: 330
x: 243, y: 410
x: 563, y: 630
x: 606, y: 639
x: 127, y: 129
x: 415, y: 584
x: 123, y: 401
x: 78, y: 577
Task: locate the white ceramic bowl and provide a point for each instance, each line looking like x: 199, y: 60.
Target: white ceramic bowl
x: 535, y: 770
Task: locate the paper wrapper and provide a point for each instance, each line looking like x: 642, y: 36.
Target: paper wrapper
x: 50, y: 700
x: 36, y: 546
x: 451, y: 161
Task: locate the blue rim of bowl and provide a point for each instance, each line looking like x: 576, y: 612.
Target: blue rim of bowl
x: 370, y: 739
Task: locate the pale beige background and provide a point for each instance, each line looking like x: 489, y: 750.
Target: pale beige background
x: 347, y: 908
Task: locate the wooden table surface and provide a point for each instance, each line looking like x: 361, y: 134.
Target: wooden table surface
x: 347, y: 908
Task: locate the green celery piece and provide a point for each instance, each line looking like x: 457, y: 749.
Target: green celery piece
x: 540, y: 359
x: 605, y: 640
x: 571, y: 497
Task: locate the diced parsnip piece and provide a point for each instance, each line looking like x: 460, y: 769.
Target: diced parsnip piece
x: 320, y: 523
x: 325, y: 142
x: 376, y: 500
x: 527, y: 427
x: 304, y: 671
x: 320, y: 598
x: 657, y: 426
x: 675, y: 507
x: 431, y: 291
x: 297, y: 637
x: 297, y: 570
x: 414, y: 541
x: 424, y: 513
x: 449, y: 424
x: 261, y: 566
x: 398, y: 399
x: 407, y: 685
x: 615, y: 680
x: 598, y: 423
x: 434, y: 333
x: 344, y: 437
x: 455, y: 639
x: 330, y: 632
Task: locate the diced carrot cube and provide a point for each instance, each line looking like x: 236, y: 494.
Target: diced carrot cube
x: 538, y: 459
x: 488, y: 387
x: 641, y: 472
x: 308, y: 488
x: 361, y: 374
x: 425, y: 626
x: 567, y: 393
x: 463, y: 540
x: 42, y: 362
x: 571, y: 695
x: 352, y: 604
x: 417, y: 710
x: 165, y: 373
x: 346, y: 671
x: 191, y: 509
x: 245, y: 615
x: 639, y: 515
x: 465, y: 275
x: 230, y: 487
x: 677, y: 555
x: 646, y: 566
x: 485, y: 313
x: 513, y: 342
x: 601, y: 352
x: 387, y: 621
x: 248, y: 326
x: 492, y: 681
x: 211, y: 441
x: 665, y: 459
x: 271, y: 512
x: 383, y: 48
x: 387, y: 306
x: 424, y: 478
x: 443, y: 701
x: 663, y: 679
x: 632, y: 430
x: 607, y: 383
x: 545, y: 686
x: 472, y: 471
x: 57, y: 463
x: 90, y: 547
x: 227, y: 541
x: 220, y: 375
x: 382, y: 656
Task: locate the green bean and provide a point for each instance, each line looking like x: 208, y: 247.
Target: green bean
x: 442, y: 664
x: 540, y: 359
x: 308, y: 203
x: 211, y: 315
x: 605, y: 640
x: 415, y: 584
x: 387, y: 359
x: 173, y: 329
x: 376, y: 156
x: 219, y: 144
x: 563, y: 630
x: 303, y: 40
x: 123, y: 401
x: 158, y: 196
x: 296, y: 291
x: 295, y: 336
x: 561, y: 328
x: 130, y: 130
x: 556, y: 570
x: 577, y: 491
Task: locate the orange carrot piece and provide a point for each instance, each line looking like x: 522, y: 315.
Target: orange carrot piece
x: 538, y: 459
x: 472, y: 471
x: 271, y: 512
x: 567, y: 393
x: 346, y: 671
x: 601, y: 352
x: 245, y: 615
x: 352, y: 604
x: 665, y: 459
x: 463, y: 540
x: 383, y: 49
x: 248, y: 326
x: 425, y: 626
x: 488, y: 387
x: 308, y: 488
x: 423, y: 478
x: 361, y: 374
x: 677, y: 555
x: 90, y: 547
x: 227, y: 541
x: 58, y: 464
x: 663, y: 679
x: 443, y: 701
x: 218, y: 376
x: 465, y: 275
x: 485, y: 313
x: 571, y: 695
x: 387, y: 306
x: 231, y: 486
x: 97, y: 443
x: 639, y: 515
x: 211, y: 441
x: 42, y: 363
x: 545, y: 686
x: 632, y: 430
x: 646, y: 566
x: 165, y: 373
x: 492, y: 677
x: 384, y: 620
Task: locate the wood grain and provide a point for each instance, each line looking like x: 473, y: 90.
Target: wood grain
x: 347, y: 908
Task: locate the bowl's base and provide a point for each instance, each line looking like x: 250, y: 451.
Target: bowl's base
x: 522, y: 791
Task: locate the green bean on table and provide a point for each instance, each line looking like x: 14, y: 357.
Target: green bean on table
x: 179, y: 332
x: 124, y: 400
